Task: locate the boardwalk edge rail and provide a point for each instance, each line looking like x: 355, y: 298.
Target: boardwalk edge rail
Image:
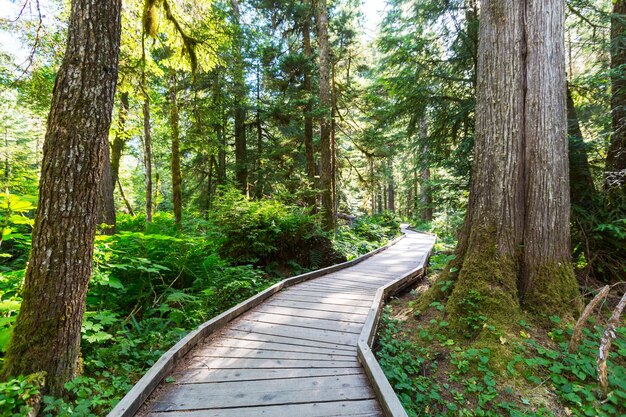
x: 388, y: 399
x: 134, y: 399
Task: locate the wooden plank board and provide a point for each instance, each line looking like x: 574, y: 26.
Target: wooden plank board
x: 342, y: 286
x: 314, y: 314
x: 250, y: 363
x: 194, y: 376
x: 311, y: 298
x: 274, y: 385
x: 338, y: 338
x: 261, y: 353
x: 360, y: 408
x: 278, y: 347
x: 329, y: 294
x: 309, y: 305
x: 248, y: 334
x: 351, y: 282
x: 306, y: 323
x: 249, y: 394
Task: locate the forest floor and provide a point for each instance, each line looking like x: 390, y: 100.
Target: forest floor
x: 526, y: 372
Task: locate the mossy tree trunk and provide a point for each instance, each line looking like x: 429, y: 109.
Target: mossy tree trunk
x: 46, y: 335
x: 514, y: 251
x: 325, y: 102
x: 177, y: 198
x: 147, y: 157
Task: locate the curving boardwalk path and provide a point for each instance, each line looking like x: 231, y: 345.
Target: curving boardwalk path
x: 294, y: 355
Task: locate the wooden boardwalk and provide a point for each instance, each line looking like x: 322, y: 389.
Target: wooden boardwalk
x: 294, y: 355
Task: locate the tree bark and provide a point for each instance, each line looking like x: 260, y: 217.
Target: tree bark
x: 615, y: 170
x: 46, y: 335
x: 325, y: 99
x: 175, y: 133
x: 515, y: 249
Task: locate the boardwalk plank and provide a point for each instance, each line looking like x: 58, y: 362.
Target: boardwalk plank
x: 247, y: 394
x: 250, y: 335
x: 362, y: 408
x: 311, y: 298
x: 298, y: 333
x: 194, y: 376
x: 309, y: 305
x: 279, y: 347
x: 253, y: 363
x: 306, y: 323
x: 314, y: 314
x: 330, y: 294
x: 237, y: 352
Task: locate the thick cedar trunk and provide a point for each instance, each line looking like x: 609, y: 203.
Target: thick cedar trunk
x: 325, y: 98
x: 515, y: 244
x: 241, y: 163
x: 308, y: 109
x: 147, y: 157
x: 615, y: 170
x: 175, y: 133
x: 46, y: 335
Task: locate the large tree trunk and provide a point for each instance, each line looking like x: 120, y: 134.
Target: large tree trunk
x: 325, y: 98
x: 615, y: 170
x: 175, y: 132
x: 308, y: 109
x: 46, y: 335
x: 515, y: 250
x: 241, y: 158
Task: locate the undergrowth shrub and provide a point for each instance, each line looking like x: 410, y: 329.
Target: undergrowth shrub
x: 270, y: 233
x: 367, y: 233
